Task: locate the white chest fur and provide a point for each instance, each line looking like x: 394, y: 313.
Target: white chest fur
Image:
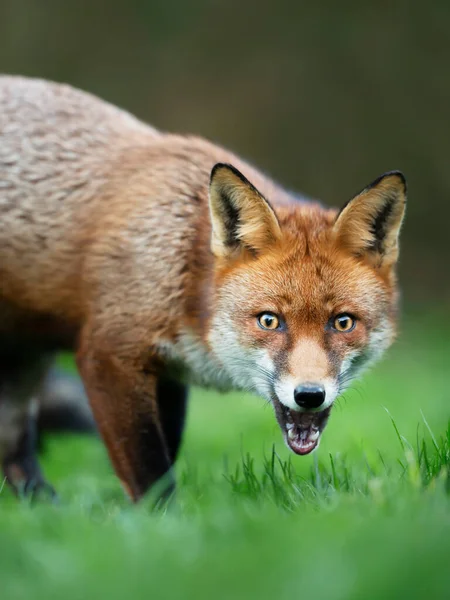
x: 194, y: 363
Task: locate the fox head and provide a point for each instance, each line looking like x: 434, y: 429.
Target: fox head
x: 305, y: 298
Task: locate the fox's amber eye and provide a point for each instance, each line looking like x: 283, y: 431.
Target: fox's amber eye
x: 344, y: 323
x: 268, y: 321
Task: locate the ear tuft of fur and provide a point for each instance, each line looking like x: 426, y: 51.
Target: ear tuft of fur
x: 241, y: 217
x: 369, y: 225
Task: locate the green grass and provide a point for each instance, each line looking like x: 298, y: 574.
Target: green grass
x: 367, y: 516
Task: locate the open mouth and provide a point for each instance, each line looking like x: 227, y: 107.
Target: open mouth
x: 301, y: 429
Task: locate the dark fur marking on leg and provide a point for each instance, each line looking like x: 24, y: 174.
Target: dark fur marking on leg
x: 151, y: 463
x: 172, y: 401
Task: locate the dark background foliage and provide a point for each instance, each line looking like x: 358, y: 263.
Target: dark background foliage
x: 324, y: 96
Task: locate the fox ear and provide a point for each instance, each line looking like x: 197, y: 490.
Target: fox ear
x: 369, y: 225
x: 241, y: 217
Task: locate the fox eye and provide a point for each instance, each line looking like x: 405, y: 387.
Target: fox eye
x: 344, y: 323
x: 268, y: 320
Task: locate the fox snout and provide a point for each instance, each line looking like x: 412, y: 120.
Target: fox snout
x: 309, y: 396
x: 308, y: 381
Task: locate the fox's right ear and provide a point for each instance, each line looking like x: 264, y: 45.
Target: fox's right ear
x: 369, y: 225
x: 241, y: 217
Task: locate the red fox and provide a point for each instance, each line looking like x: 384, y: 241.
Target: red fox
x: 164, y: 260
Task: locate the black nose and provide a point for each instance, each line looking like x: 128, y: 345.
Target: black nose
x: 309, y: 395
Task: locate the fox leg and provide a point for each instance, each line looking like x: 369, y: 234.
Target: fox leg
x: 20, y: 466
x: 122, y: 394
x: 172, y: 400
x: 20, y: 378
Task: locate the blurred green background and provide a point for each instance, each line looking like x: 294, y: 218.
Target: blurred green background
x: 325, y: 96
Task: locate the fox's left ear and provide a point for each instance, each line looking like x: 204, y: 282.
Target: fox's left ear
x: 241, y: 218
x: 369, y: 225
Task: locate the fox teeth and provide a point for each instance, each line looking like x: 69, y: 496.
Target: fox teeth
x: 291, y: 434
x: 314, y: 436
x: 289, y: 426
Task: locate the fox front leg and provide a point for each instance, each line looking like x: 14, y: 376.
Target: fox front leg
x: 123, y: 399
